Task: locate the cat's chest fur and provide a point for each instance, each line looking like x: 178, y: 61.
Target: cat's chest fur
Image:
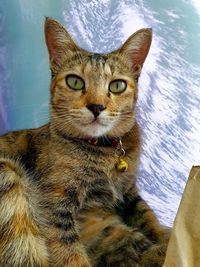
x: 81, y: 160
x: 90, y: 169
x: 68, y: 167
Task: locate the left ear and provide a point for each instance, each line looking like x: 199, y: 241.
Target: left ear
x: 59, y: 42
x: 136, y: 48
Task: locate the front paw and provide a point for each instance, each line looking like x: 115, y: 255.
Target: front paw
x: 160, y: 235
x: 154, y: 256
x: 121, y: 248
x: 139, y: 241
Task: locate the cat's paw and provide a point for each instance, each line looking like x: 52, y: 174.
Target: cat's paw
x: 161, y: 236
x: 123, y: 248
x: 139, y: 241
x: 154, y: 256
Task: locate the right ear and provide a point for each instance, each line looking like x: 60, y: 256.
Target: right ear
x: 58, y: 41
x: 136, y: 48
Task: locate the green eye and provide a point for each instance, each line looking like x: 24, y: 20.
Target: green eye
x: 117, y: 86
x: 75, y: 82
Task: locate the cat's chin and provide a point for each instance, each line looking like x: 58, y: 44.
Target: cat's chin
x: 94, y: 129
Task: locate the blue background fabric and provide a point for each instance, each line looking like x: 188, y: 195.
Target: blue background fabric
x: 169, y: 96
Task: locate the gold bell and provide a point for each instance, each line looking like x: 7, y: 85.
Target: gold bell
x: 121, y: 165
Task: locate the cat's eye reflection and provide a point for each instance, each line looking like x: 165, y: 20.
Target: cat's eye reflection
x: 75, y: 82
x: 117, y: 86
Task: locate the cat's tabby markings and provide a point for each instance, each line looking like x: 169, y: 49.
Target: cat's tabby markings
x: 62, y: 201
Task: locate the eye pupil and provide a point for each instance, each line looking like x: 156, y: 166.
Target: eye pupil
x: 75, y: 82
x: 117, y: 86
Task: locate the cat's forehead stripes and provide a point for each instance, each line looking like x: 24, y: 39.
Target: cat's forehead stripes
x: 97, y: 62
x: 96, y: 72
x: 109, y: 64
x: 98, y: 58
x: 106, y: 65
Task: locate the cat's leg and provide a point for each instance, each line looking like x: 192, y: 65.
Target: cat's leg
x: 110, y: 242
x: 154, y: 256
x: 62, y: 233
x: 21, y: 244
x: 63, y: 243
x: 136, y: 213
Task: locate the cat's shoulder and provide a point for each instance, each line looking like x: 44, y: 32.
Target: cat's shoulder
x: 19, y: 141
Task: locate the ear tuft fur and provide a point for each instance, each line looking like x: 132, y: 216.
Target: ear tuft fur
x: 58, y: 41
x: 137, y: 46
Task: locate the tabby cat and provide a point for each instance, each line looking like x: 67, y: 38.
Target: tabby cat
x: 68, y: 195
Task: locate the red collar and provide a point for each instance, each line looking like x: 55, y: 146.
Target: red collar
x: 103, y: 141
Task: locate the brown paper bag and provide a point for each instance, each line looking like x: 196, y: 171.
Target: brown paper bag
x: 184, y: 245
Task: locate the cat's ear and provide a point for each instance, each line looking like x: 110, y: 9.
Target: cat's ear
x: 136, y: 48
x: 58, y: 41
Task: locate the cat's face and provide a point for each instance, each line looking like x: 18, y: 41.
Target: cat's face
x: 93, y: 95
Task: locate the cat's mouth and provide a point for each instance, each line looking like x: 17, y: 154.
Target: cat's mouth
x: 94, y: 128
x: 95, y: 122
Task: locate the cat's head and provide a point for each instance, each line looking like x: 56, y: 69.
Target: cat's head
x: 94, y: 94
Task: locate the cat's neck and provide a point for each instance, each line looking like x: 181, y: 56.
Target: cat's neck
x: 129, y: 139
x: 102, y: 141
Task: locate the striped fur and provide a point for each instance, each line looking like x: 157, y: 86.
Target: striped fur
x: 21, y: 242
x: 62, y: 201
